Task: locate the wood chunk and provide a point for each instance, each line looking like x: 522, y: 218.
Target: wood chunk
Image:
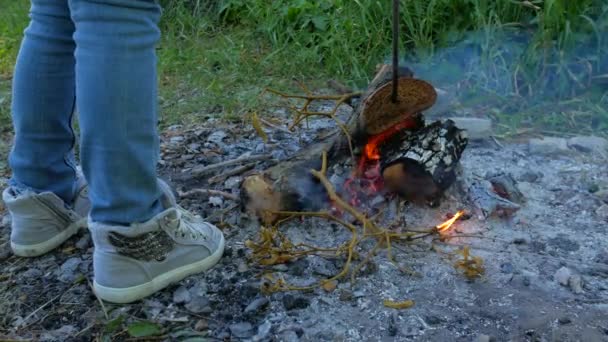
x: 487, y: 202
x: 421, y: 164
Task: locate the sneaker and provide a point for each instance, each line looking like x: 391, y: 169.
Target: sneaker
x: 133, y: 262
x: 40, y: 222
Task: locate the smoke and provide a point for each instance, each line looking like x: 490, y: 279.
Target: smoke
x: 510, y: 73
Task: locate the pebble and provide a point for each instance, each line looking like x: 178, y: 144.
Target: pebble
x: 242, y: 330
x: 346, y: 296
x: 483, y: 338
x: 530, y: 176
x: 564, y: 320
x: 602, y: 212
x: 84, y: 242
x: 216, y: 201
x: 177, y: 139
x: 562, y: 275
x: 201, y: 325
x: 217, y: 137
x: 232, y: 182
x: 32, y: 273
x: 263, y: 331
x: 602, y: 194
x: 5, y: 252
x: 67, y: 273
x: 432, y: 320
x: 291, y: 302
x: 198, y: 304
x: 392, y: 326
x: 477, y: 128
x: 576, y: 284
x: 506, y: 267
x: 289, y: 336
x: 181, y: 295
x: 257, y: 304
x: 548, y: 145
x: 589, y: 144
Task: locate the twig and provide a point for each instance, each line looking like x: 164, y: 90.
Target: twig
x: 206, y: 169
x: 44, y: 306
x: 236, y: 171
x: 208, y: 192
x: 271, y: 125
x: 103, y: 307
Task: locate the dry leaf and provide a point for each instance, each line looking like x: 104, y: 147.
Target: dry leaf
x: 399, y: 305
x: 329, y: 286
x: 255, y: 121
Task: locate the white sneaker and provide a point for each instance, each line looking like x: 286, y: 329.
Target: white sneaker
x: 133, y: 262
x: 41, y: 221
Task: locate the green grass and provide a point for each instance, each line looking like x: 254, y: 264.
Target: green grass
x: 526, y: 64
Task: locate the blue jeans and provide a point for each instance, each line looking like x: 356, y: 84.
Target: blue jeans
x: 96, y: 58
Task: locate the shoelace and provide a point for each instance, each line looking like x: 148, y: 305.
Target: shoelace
x: 187, y: 224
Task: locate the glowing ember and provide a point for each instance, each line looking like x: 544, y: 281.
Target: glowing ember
x: 366, y: 179
x: 447, y: 224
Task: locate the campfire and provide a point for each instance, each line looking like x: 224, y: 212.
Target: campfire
x: 392, y: 153
x: 392, y: 149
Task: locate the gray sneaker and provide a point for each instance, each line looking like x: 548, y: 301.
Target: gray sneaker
x: 133, y: 262
x: 40, y: 222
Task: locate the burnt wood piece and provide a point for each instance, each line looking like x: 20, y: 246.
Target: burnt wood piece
x: 289, y: 185
x: 419, y: 165
x: 487, y: 202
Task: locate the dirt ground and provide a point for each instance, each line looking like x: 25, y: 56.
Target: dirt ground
x: 545, y: 279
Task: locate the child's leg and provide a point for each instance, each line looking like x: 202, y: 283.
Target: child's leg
x: 116, y: 93
x: 43, y: 103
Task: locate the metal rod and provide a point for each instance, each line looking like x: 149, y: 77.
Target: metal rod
x: 395, y: 49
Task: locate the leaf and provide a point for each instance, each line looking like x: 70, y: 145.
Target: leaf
x: 143, y: 329
x: 330, y: 286
x: 258, y: 126
x: 406, y: 304
x: 114, y: 324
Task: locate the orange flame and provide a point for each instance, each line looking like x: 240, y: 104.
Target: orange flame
x: 371, y: 148
x: 447, y: 224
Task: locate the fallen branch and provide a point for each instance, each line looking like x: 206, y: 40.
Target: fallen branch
x: 236, y: 171
x: 207, y: 192
x: 202, y: 170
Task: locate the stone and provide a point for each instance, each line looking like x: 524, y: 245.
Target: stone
x: 201, y: 325
x: 289, y: 336
x: 198, y: 304
x: 562, y: 275
x: 67, y: 272
x: 216, y: 201
x: 602, y: 194
x: 564, y: 320
x: 31, y: 273
x: 393, y: 330
x: 432, y: 320
x: 263, y: 331
x: 84, y: 242
x: 589, y: 144
x: 506, y: 267
x: 548, y: 146
x: 5, y: 252
x: 576, y: 284
x: 217, y: 137
x: 483, y: 338
x: 242, y: 330
x: 346, y: 296
x: 602, y: 212
x: 181, y: 295
x: 530, y: 176
x: 476, y: 128
x: 257, y: 304
x: 292, y: 302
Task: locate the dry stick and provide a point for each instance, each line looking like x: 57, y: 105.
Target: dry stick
x: 241, y: 160
x: 45, y: 305
x: 208, y: 192
x: 271, y: 125
x: 233, y: 172
x: 103, y: 307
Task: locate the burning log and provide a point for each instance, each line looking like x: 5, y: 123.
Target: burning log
x: 420, y: 165
x: 289, y: 185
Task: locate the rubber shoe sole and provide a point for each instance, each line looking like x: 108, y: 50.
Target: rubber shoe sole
x: 39, y: 249
x: 134, y: 293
